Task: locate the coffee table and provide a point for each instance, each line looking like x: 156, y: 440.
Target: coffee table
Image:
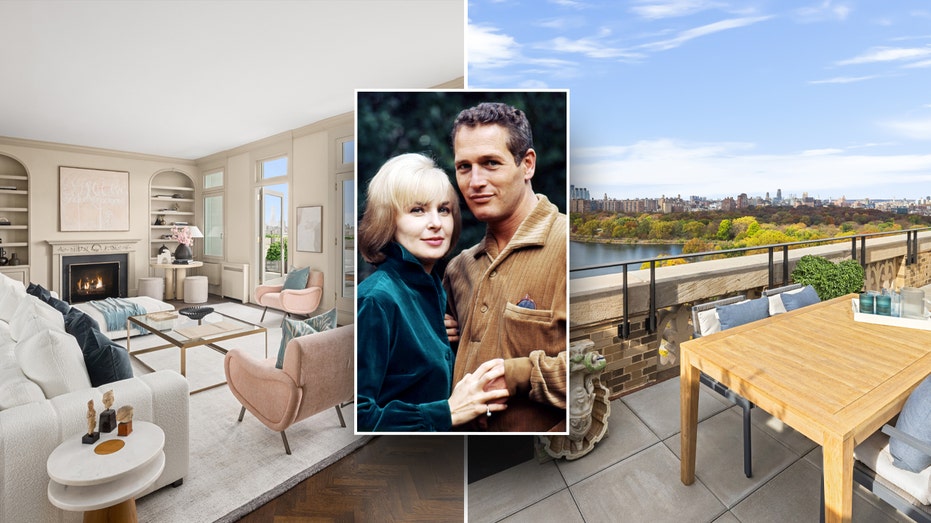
x: 104, y: 486
x: 185, y: 333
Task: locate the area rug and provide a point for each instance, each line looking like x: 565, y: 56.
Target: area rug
x: 237, y: 467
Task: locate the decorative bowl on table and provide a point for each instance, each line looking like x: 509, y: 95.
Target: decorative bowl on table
x: 196, y: 313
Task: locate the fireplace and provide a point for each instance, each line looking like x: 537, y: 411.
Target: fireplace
x: 94, y: 277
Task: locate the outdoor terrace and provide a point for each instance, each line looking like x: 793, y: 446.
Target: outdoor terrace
x: 633, y: 474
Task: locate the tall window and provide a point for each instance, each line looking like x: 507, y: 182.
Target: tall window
x: 273, y: 217
x: 213, y: 214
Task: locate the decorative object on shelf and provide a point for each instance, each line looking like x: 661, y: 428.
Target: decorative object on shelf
x: 185, y: 236
x: 310, y: 229
x: 14, y: 259
x: 4, y: 220
x: 163, y: 249
x: 124, y: 417
x: 82, y: 204
x: 3, y: 259
x: 163, y: 258
x: 108, y: 416
x: 91, y: 436
x: 160, y: 219
x: 196, y: 313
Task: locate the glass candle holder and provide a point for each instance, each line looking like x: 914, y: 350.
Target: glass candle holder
x: 867, y: 303
x: 884, y: 305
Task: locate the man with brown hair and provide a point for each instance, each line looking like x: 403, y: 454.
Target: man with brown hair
x: 508, y: 292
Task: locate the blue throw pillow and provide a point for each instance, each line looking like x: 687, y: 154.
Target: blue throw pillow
x: 106, y: 361
x: 914, y: 420
x: 291, y: 329
x: 297, y: 279
x: 795, y: 300
x: 745, y: 312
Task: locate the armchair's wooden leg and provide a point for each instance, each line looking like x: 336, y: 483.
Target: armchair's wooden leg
x: 342, y: 422
x: 263, y: 315
x: 287, y: 448
x: 242, y: 413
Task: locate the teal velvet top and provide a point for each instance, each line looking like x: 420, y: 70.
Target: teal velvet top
x: 404, y: 364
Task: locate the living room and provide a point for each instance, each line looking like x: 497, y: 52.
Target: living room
x: 194, y: 89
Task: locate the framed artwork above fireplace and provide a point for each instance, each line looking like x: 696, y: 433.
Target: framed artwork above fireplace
x: 93, y: 199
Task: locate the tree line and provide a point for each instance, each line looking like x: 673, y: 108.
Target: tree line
x: 705, y: 231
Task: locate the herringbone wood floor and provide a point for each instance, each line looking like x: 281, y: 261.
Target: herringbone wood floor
x: 392, y: 478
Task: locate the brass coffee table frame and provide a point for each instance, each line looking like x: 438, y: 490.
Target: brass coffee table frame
x: 184, y: 343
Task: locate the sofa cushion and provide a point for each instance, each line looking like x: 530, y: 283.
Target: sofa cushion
x: 291, y: 329
x: 743, y: 312
x: 16, y: 389
x: 914, y: 420
x: 104, y: 360
x: 13, y: 293
x: 297, y: 279
x: 801, y: 298
x: 32, y: 316
x: 53, y: 360
x: 46, y: 296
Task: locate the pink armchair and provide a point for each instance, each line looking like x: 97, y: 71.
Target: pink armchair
x: 317, y: 374
x: 291, y: 301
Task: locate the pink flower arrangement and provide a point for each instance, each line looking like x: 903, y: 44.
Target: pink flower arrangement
x: 183, y: 235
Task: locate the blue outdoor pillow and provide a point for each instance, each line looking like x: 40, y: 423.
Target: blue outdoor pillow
x: 297, y: 279
x: 796, y: 300
x: 745, y: 312
x: 914, y: 420
x: 291, y: 329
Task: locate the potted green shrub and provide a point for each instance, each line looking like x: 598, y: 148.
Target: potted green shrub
x: 829, y: 279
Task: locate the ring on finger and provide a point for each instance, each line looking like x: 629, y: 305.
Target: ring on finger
x: 487, y: 411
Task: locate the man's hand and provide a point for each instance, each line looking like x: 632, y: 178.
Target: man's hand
x: 452, y: 328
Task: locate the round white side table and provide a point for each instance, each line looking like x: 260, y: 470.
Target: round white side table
x: 104, y: 486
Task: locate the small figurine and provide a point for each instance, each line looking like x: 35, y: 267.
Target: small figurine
x: 91, y: 436
x: 108, y: 416
x: 125, y: 418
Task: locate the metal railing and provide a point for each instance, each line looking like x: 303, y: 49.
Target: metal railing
x: 911, y: 257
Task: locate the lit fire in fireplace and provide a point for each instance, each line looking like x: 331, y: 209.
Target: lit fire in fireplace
x: 89, y: 284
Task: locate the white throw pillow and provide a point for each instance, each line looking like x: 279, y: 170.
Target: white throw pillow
x: 14, y: 293
x: 708, y: 322
x: 16, y: 389
x: 32, y: 316
x: 54, y: 361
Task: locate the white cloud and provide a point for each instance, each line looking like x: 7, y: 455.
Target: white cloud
x: 826, y: 10
x: 648, y: 168
x: 705, y: 30
x: 655, y: 9
x: 888, y: 54
x: 912, y: 129
x: 489, y: 48
x: 921, y: 64
x: 843, y: 79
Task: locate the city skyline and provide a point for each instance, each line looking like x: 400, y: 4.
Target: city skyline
x: 695, y: 97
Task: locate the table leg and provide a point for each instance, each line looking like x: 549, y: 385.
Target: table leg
x: 181, y: 274
x: 124, y: 512
x: 688, y: 414
x: 169, y: 284
x: 838, y: 478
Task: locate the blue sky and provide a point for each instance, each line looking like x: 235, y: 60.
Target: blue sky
x: 717, y: 97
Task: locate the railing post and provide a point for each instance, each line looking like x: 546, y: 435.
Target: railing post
x: 911, y: 247
x: 772, y: 268
x: 863, y: 251
x: 625, y: 327
x: 785, y: 264
x: 853, y: 247
x: 651, y: 319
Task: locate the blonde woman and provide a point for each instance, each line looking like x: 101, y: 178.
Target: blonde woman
x: 404, y: 361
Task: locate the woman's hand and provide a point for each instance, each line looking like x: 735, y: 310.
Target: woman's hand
x: 470, y: 400
x: 452, y: 328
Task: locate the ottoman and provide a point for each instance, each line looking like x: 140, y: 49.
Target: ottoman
x: 152, y: 287
x: 195, y: 289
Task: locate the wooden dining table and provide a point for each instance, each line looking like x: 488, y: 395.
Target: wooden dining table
x: 834, y: 379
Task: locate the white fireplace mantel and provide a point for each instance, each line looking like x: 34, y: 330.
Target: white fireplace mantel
x: 62, y: 248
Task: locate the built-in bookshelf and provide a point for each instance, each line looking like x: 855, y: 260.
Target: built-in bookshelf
x: 14, y: 219
x: 171, y: 203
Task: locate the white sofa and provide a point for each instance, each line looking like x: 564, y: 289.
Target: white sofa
x: 44, y: 389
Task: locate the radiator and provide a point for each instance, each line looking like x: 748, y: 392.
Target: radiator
x: 236, y: 281
x: 212, y: 272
